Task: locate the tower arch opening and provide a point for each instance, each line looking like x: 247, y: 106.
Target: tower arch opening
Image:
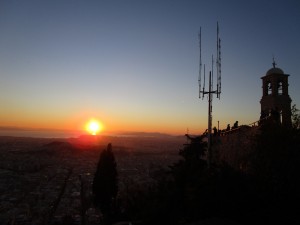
x: 279, y: 88
x: 269, y: 88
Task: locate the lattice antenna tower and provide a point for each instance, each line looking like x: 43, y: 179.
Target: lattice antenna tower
x: 218, y: 62
x: 218, y: 67
x: 210, y: 90
x: 200, y: 64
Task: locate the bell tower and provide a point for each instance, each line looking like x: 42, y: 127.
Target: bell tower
x: 276, y: 100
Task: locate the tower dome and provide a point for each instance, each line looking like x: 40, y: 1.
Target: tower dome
x: 274, y: 70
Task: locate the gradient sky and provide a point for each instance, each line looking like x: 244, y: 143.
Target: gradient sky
x: 133, y: 64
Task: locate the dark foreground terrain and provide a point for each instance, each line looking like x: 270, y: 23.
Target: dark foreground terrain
x: 49, y: 181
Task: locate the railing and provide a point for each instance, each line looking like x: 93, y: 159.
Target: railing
x: 254, y: 124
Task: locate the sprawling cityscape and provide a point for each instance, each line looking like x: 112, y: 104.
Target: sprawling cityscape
x: 48, y: 181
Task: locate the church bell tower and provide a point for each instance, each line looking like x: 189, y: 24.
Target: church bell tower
x: 276, y: 99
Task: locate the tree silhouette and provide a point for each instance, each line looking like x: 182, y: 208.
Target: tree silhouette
x: 176, y: 196
x: 105, y: 185
x: 295, y: 117
x: 195, y: 150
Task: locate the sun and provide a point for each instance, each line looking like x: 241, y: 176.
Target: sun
x: 93, y: 127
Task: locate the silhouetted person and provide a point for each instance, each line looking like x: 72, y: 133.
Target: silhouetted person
x: 228, y: 127
x: 219, y: 132
x: 235, y: 125
x: 215, y: 131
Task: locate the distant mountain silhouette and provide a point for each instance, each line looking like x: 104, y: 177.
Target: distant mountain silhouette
x: 14, y: 128
x: 146, y: 134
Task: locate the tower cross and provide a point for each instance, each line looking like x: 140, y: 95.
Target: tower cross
x: 274, y: 63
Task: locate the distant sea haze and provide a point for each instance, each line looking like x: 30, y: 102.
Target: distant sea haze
x: 40, y: 133
x: 48, y: 133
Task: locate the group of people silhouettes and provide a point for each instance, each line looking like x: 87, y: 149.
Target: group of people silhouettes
x: 218, y: 132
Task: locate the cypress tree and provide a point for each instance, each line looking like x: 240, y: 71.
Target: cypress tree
x: 105, y: 185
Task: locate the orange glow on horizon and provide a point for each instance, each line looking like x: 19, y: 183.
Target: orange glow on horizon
x: 114, y: 123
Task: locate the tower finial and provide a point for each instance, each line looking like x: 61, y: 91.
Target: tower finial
x: 274, y: 63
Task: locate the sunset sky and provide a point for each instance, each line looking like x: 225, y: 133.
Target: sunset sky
x: 133, y: 64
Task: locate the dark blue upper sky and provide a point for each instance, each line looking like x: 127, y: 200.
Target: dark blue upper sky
x: 134, y: 64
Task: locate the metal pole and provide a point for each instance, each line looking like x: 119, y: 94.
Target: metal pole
x: 209, y: 124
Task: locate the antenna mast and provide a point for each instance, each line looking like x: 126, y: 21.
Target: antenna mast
x: 200, y: 65
x: 211, y: 90
x: 218, y: 63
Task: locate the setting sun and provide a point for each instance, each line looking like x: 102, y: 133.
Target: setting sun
x: 93, y: 127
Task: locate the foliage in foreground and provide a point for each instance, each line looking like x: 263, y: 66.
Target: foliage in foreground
x: 190, y: 191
